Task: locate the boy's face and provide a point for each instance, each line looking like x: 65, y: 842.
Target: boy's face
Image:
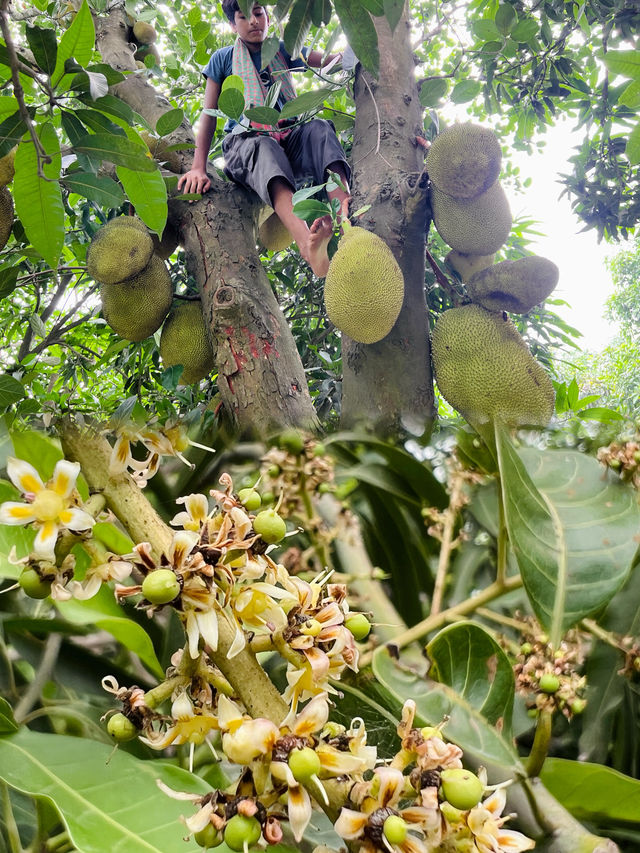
x: 252, y: 30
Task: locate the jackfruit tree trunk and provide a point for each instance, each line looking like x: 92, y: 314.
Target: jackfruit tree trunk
x: 389, y: 384
x: 260, y: 375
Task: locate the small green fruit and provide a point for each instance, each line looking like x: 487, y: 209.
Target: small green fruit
x: 526, y: 649
x: 267, y: 498
x: 250, y: 499
x: 324, y: 488
x: 578, y: 705
x: 273, y: 471
x: 394, y: 829
x: 292, y: 441
x: 208, y: 837
x: 304, y: 763
x: 359, y: 626
x: 461, y: 788
x: 161, y: 586
x: 319, y: 449
x: 270, y: 526
x: 33, y: 585
x: 549, y: 683
x: 121, y: 728
x: 241, y: 830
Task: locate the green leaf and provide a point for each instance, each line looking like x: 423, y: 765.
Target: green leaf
x: 465, y: 91
x: 44, y: 47
x: 39, y: 200
x: 112, y: 106
x: 624, y: 62
x: 376, y: 7
x: 99, y: 188
x: 39, y: 449
x: 108, y: 800
x: 592, y: 792
x: 270, y: 46
x: 298, y: 26
x: 76, y: 42
x: 432, y: 91
x: 306, y: 102
x: 7, y: 723
x: 486, y: 30
x: 12, y: 129
x: 263, y: 115
x: 631, y: 96
x: 169, y: 121
x: 633, y: 146
x: 524, y: 30
x: 601, y: 414
x: 234, y: 81
x: 572, y: 531
x: 360, y: 32
x: 148, y: 194
x: 8, y: 281
x: 231, y: 102
x: 434, y: 701
x: 116, y: 149
x: 393, y: 12
x: 103, y: 612
x: 10, y: 391
x: 505, y: 18
x: 466, y: 657
x: 310, y: 209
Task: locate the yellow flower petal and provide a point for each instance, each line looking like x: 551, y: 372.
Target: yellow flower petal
x: 64, y: 477
x: 45, y: 542
x: 12, y: 512
x: 24, y: 476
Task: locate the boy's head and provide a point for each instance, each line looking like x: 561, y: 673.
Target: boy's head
x: 258, y: 15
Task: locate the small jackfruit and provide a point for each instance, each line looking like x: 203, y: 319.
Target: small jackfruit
x: 147, y: 50
x: 144, y: 33
x: 485, y: 370
x: 514, y: 286
x: 272, y: 234
x: 184, y: 341
x: 6, y: 216
x: 7, y: 170
x: 119, y: 250
x: 467, y: 265
x: 162, y: 152
x: 364, y: 287
x: 464, y: 160
x: 478, y: 226
x: 135, y: 308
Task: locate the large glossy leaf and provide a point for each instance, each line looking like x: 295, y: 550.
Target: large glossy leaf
x: 39, y: 199
x: 573, y: 531
x: 44, y: 46
x: 116, y: 149
x: 434, y: 701
x: 76, y: 42
x: 593, y: 792
x: 108, y: 801
x: 99, y: 188
x: 297, y: 26
x: 306, y: 102
x: 148, y: 194
x: 625, y: 62
x: 360, y: 32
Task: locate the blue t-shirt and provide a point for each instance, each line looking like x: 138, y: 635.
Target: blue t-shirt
x: 220, y: 66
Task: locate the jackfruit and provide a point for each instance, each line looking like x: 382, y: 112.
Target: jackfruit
x: 464, y: 160
x: 485, y: 370
x: 147, y: 50
x: 6, y: 216
x: 184, y: 341
x: 7, y: 170
x: 144, y: 33
x: 162, y: 152
x: 272, y: 234
x: 364, y: 287
x: 477, y: 226
x: 514, y: 286
x: 135, y: 308
x: 119, y: 250
x: 467, y: 265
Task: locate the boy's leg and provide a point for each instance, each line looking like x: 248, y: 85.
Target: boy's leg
x: 258, y: 161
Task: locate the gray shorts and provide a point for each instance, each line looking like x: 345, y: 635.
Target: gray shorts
x: 254, y: 159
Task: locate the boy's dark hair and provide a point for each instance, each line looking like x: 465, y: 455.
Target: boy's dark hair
x: 230, y: 7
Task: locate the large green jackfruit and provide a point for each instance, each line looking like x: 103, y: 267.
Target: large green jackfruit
x: 478, y: 226
x: 135, y: 308
x: 514, y: 286
x: 6, y: 216
x: 464, y: 160
x: 485, y: 370
x: 119, y: 250
x: 364, y: 287
x: 468, y: 265
x: 7, y: 167
x: 272, y: 234
x: 184, y: 341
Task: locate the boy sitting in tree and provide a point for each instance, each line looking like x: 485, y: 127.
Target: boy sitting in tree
x: 269, y: 161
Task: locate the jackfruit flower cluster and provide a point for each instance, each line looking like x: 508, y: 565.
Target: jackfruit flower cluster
x: 623, y: 457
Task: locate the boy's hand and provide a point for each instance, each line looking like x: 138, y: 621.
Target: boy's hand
x: 194, y: 181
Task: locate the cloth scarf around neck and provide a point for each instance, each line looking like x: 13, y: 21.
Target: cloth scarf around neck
x: 255, y: 91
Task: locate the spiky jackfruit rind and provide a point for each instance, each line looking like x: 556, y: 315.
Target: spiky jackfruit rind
x: 121, y: 249
x: 184, y: 341
x: 7, y: 168
x: 467, y: 265
x: 144, y: 33
x: 364, y: 287
x: 515, y: 286
x: 464, y: 160
x: 477, y: 226
x: 135, y: 308
x: 6, y: 216
x: 272, y: 234
x: 485, y: 370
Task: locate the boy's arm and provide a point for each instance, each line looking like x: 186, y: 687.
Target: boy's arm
x: 196, y: 179
x: 317, y: 59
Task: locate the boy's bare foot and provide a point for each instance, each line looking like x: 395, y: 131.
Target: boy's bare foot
x: 315, y: 250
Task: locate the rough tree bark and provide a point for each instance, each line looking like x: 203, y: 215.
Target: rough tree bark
x: 389, y: 384
x: 260, y: 375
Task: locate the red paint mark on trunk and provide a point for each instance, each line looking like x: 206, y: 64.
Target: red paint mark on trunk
x: 229, y: 330
x: 269, y: 350
x: 253, y: 349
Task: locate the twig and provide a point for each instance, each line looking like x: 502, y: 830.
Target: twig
x: 9, y: 821
x: 43, y: 674
x: 442, y: 280
x: 447, y: 545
